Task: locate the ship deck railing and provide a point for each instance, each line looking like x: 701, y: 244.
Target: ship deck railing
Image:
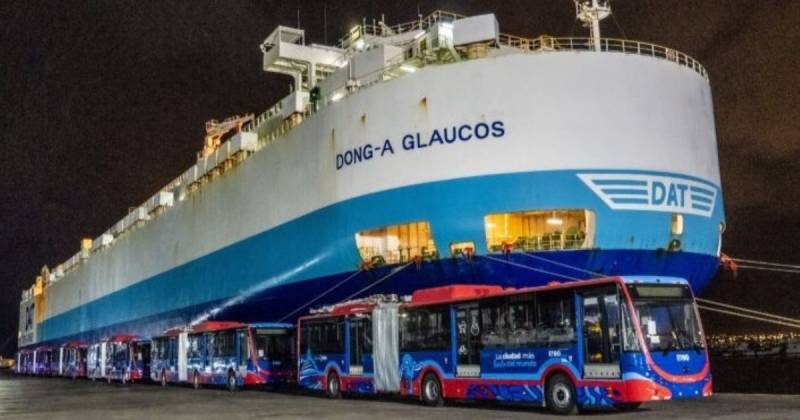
x: 538, y: 44
x: 381, y: 29
x: 626, y: 46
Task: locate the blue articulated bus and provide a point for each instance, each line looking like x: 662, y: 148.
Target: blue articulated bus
x: 127, y: 359
x: 611, y: 342
x: 230, y: 354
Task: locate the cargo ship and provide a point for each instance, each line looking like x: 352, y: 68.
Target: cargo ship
x: 435, y: 152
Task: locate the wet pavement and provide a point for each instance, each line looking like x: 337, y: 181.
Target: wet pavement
x: 55, y: 398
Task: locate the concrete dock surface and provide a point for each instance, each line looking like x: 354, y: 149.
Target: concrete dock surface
x: 23, y: 397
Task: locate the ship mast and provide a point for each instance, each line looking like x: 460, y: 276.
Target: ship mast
x: 591, y: 13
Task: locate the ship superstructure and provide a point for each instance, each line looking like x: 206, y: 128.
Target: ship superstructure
x: 434, y: 152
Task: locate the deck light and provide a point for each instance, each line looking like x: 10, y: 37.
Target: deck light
x: 336, y: 96
x: 555, y: 221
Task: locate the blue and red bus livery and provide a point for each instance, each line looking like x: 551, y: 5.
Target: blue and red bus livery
x: 231, y: 354
x: 73, y: 360
x: 45, y: 361
x: 127, y: 359
x: 612, y: 342
x: 25, y: 362
x: 164, y: 357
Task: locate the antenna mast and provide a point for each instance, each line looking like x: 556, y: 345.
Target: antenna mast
x: 591, y: 12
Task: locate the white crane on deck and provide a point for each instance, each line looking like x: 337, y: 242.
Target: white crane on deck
x: 215, y: 130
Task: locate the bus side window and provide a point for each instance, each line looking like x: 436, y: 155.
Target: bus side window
x: 323, y: 336
x: 425, y: 329
x: 556, y: 317
x: 244, y: 347
x: 194, y: 347
x: 304, y: 332
x: 494, y: 322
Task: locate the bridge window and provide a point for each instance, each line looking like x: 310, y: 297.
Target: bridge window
x: 396, y: 243
x: 540, y: 230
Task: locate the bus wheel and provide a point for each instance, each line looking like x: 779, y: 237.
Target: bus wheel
x: 231, y: 382
x: 196, y: 381
x: 432, y: 391
x: 560, y: 394
x: 163, y: 379
x: 332, y: 388
x: 628, y: 406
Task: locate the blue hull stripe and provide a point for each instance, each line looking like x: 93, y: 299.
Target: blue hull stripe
x: 290, y: 264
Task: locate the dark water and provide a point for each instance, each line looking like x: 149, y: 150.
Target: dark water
x: 775, y: 375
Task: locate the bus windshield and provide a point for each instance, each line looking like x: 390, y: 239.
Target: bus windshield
x: 667, y: 316
x: 273, y: 346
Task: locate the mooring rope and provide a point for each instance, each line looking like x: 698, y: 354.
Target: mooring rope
x: 320, y: 296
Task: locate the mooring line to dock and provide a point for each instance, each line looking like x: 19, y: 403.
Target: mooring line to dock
x: 511, y: 263
x: 767, y: 263
x: 320, y: 296
x: 379, y: 281
x: 776, y: 269
x: 757, y: 318
x: 754, y: 312
x: 582, y: 270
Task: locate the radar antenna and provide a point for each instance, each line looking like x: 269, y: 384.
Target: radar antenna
x: 591, y: 12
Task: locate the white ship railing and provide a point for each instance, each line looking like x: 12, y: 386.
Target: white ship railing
x: 541, y: 43
x: 548, y: 43
x: 381, y: 29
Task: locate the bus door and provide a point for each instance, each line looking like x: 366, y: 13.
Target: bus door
x: 468, y: 340
x: 143, y: 357
x: 601, y: 332
x: 361, y: 345
x: 182, y: 356
x: 243, y: 351
x: 61, y: 361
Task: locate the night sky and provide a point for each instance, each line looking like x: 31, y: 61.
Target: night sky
x: 102, y: 103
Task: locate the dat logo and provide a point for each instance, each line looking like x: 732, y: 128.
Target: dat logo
x: 672, y: 194
x: 636, y: 191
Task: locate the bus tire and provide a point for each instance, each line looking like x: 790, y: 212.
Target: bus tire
x: 431, y: 391
x: 232, y: 385
x: 630, y: 406
x: 560, y: 394
x: 196, y: 381
x: 163, y: 379
x: 332, y: 386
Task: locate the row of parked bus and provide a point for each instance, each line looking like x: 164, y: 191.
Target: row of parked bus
x: 614, y: 342
x: 209, y: 353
